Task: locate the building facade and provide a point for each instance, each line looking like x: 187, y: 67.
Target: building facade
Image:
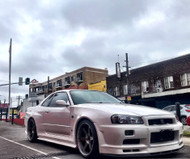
x: 77, y: 79
x: 157, y: 85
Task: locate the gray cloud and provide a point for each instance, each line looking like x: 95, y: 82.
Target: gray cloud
x: 51, y: 38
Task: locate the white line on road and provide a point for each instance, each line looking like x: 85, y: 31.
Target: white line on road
x: 27, y: 147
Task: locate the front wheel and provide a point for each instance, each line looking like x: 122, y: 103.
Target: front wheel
x: 183, y: 120
x: 87, y: 140
x: 31, y: 131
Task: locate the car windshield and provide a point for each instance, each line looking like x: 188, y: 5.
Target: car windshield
x: 86, y: 96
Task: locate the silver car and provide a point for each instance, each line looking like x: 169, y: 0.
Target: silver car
x: 97, y: 123
x: 184, y: 109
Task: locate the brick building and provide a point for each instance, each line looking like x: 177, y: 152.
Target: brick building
x: 156, y: 85
x: 77, y: 79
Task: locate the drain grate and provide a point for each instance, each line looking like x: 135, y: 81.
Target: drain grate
x: 43, y: 156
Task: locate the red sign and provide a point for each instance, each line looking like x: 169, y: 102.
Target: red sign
x: 34, y: 81
x: 22, y: 114
x: 4, y: 105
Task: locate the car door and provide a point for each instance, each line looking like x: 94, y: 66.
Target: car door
x: 57, y: 118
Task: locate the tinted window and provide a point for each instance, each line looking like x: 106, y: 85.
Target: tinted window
x: 167, y: 108
x: 59, y: 96
x: 47, y: 101
x: 173, y: 108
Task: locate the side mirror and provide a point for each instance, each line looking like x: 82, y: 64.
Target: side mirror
x: 61, y: 103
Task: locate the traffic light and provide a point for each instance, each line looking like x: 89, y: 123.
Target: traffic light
x: 20, y: 81
x: 27, y: 81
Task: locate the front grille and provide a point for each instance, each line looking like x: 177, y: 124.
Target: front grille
x: 160, y: 121
x: 162, y: 136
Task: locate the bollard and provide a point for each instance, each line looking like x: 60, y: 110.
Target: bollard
x: 6, y: 114
x: 178, y: 112
x: 1, y: 113
x: 12, y: 116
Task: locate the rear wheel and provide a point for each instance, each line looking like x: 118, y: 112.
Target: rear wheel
x: 87, y: 140
x: 31, y: 131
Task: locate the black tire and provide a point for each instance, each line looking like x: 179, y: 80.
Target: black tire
x: 183, y: 120
x: 31, y: 131
x: 87, y: 140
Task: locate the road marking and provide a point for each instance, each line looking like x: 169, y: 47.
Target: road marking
x: 27, y: 147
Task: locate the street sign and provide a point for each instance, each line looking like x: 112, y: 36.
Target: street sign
x: 128, y: 98
x: 33, y: 81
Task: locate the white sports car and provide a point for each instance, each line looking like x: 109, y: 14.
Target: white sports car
x: 97, y: 123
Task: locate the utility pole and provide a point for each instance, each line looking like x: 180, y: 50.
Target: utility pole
x: 10, y: 60
x: 127, y: 72
x: 19, y: 98
x: 127, y: 78
x: 48, y: 86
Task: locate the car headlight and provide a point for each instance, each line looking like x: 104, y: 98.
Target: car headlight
x: 126, y: 119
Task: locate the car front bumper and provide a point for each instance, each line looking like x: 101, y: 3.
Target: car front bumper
x: 134, y: 140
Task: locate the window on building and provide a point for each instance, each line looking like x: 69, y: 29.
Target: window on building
x: 185, y: 79
x: 72, y: 78
x: 59, y: 82
x: 168, y: 82
x: 134, y: 89
x: 67, y: 80
x: 50, y: 85
x: 125, y: 89
x: 80, y: 76
x: 158, y: 86
x: 145, y: 86
x: 116, y: 91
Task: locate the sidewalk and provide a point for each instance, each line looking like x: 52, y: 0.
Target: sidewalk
x: 187, y: 128
x: 186, y: 141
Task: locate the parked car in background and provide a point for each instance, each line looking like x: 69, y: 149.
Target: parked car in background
x: 188, y: 120
x: 184, y: 109
x: 96, y: 122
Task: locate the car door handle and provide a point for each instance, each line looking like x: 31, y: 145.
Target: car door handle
x: 46, y: 112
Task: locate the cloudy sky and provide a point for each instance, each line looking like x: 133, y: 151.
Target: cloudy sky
x: 51, y: 37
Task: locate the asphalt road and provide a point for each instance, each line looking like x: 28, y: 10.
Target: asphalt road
x: 14, y: 145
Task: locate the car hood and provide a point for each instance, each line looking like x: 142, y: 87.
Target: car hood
x: 128, y: 109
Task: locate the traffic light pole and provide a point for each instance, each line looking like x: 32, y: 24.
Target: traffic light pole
x: 10, y: 60
x: 9, y: 84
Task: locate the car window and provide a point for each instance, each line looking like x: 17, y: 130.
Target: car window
x: 187, y: 106
x: 59, y: 96
x: 85, y: 96
x: 167, y: 108
x: 47, y: 101
x: 173, y: 108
